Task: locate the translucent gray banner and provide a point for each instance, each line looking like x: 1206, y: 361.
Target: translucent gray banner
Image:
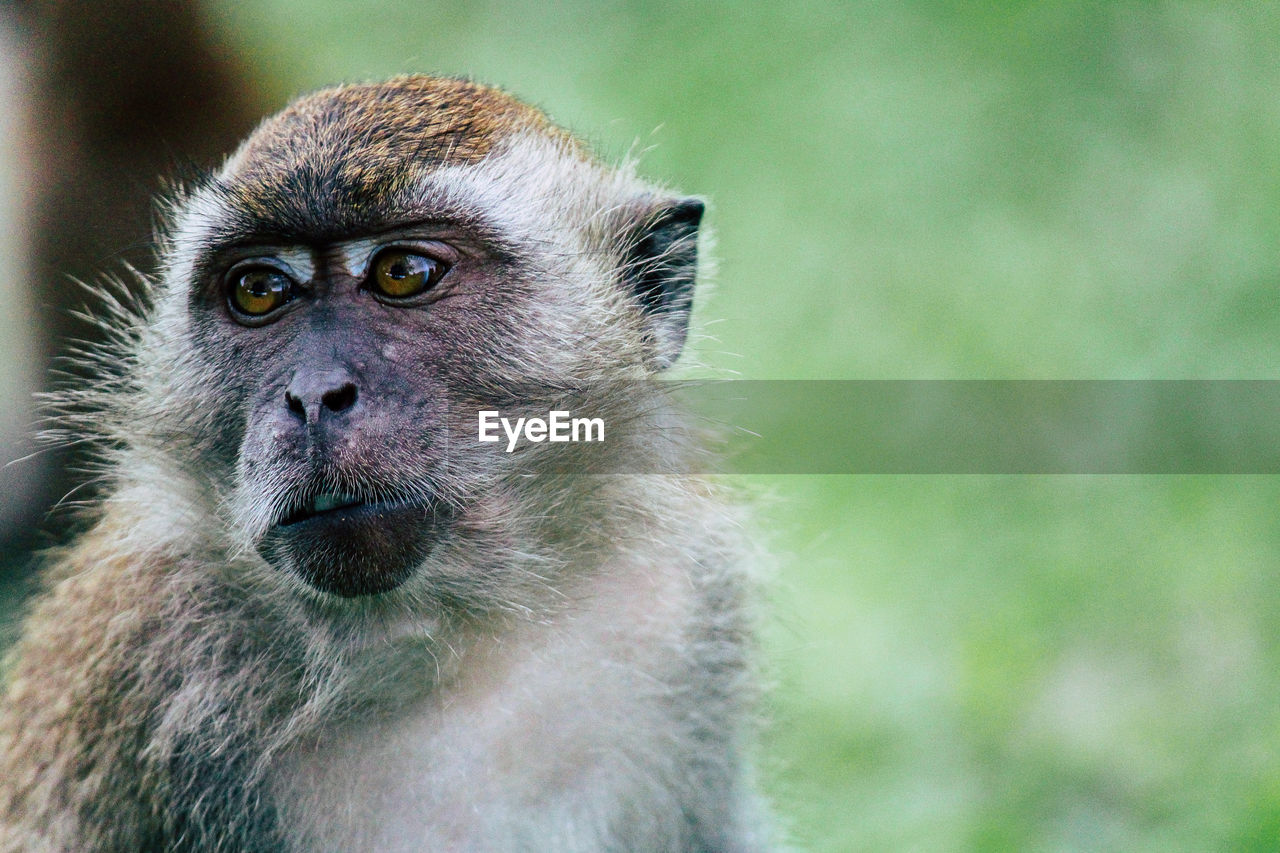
x: 911, y: 426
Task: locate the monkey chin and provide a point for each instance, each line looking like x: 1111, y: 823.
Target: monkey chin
x: 364, y: 549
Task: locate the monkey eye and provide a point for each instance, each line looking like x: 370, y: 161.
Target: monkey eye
x: 258, y: 291
x: 398, y: 273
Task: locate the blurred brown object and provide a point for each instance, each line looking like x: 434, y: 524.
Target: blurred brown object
x: 121, y: 94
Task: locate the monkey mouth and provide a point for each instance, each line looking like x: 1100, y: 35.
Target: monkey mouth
x: 347, y: 545
x: 320, y: 504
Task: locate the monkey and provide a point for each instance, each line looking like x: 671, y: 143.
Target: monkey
x: 310, y: 610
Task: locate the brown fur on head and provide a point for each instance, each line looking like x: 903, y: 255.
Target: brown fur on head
x: 342, y: 153
x: 407, y: 119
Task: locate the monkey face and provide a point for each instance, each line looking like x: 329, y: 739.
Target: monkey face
x: 351, y: 431
x: 348, y: 356
x: 369, y: 271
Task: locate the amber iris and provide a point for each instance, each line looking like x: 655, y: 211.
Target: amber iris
x: 400, y: 274
x: 260, y: 291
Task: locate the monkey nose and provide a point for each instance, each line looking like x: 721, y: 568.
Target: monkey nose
x: 315, y: 393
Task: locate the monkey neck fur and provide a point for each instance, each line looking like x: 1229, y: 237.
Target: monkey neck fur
x: 301, y: 703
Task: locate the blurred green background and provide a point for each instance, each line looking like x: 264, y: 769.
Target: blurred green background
x: 945, y: 190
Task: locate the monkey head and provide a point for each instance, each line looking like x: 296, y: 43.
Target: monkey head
x: 373, y: 262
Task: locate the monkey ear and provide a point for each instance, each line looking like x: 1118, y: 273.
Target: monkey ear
x: 660, y: 267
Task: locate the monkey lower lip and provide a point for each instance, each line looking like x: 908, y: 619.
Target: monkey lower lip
x: 357, y: 549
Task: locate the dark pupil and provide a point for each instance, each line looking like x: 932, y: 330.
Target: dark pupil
x: 406, y: 266
x: 261, y: 284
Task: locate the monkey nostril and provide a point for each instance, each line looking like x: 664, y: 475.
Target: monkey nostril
x: 312, y: 394
x: 340, y: 399
x: 295, y: 405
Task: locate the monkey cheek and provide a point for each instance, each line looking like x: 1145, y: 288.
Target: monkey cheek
x: 362, y: 551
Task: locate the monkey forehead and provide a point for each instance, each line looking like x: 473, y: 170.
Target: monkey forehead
x: 330, y: 162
